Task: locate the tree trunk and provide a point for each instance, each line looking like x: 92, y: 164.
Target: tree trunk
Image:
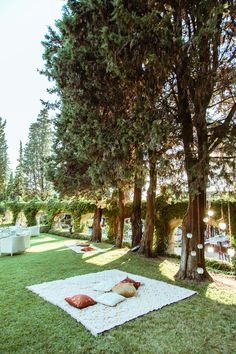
x: 192, y: 265
x: 97, y: 229
x: 136, y: 215
x: 147, y: 240
x: 115, y: 227
x: 120, y: 233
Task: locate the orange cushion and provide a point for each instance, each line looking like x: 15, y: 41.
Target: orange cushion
x: 136, y: 284
x: 80, y: 301
x: 88, y: 249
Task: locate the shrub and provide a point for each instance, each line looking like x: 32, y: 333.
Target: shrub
x: 67, y: 234
x: 44, y: 229
x: 233, y: 260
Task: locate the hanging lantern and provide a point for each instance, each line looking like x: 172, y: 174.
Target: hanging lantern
x: 200, y: 246
x: 222, y: 225
x: 210, y: 249
x: 200, y: 270
x: 231, y: 252
x: 210, y: 212
x: 193, y: 253
x: 189, y: 235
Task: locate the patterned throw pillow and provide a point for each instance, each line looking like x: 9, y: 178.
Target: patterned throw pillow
x: 88, y: 249
x: 129, y: 280
x: 110, y: 299
x: 125, y: 289
x: 80, y: 301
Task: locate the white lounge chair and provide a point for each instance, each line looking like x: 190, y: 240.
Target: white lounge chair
x: 14, y: 244
x: 34, y: 230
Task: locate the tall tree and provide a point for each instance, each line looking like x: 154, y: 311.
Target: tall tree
x: 202, y: 78
x: 10, y: 187
x: 19, y: 178
x: 93, y: 110
x: 134, y: 46
x: 36, y: 152
x: 3, y: 159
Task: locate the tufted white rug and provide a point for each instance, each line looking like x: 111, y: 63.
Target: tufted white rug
x: 152, y: 295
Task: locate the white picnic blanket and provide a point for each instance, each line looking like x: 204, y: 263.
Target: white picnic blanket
x: 152, y: 295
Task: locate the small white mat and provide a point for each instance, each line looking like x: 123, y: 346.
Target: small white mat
x: 78, y: 249
x: 152, y: 295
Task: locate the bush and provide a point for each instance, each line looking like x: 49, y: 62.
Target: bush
x: 233, y: 260
x: 44, y: 229
x: 213, y: 263
x: 67, y: 234
x: 219, y: 265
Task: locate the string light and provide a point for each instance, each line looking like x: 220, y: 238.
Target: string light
x: 210, y: 212
x: 189, y: 235
x: 200, y: 270
x: 210, y: 249
x: 206, y: 219
x: 193, y: 253
x: 200, y: 246
x: 222, y: 225
x: 231, y: 252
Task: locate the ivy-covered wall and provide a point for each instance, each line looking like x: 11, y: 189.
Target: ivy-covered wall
x: 166, y: 213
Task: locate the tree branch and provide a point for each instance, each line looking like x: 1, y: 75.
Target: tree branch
x: 221, y: 130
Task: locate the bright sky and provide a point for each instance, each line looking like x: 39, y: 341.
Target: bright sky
x: 23, y: 24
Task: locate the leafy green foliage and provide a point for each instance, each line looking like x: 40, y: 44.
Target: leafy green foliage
x: 19, y: 184
x: 36, y: 152
x: 3, y: 159
x: 31, y: 209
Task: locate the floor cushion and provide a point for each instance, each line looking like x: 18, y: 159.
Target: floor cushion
x: 110, y: 299
x: 88, y: 249
x: 80, y: 301
x: 129, y: 280
x: 125, y: 289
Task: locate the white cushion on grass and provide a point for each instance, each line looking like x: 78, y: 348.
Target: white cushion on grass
x: 106, y: 285
x: 110, y: 299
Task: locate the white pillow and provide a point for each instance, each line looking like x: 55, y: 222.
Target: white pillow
x: 110, y: 299
x: 105, y: 286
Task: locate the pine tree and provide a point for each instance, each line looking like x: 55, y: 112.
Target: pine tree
x: 9, y: 195
x: 19, y: 179
x: 36, y: 153
x: 3, y: 159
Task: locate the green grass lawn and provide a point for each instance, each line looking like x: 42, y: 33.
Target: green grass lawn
x: 205, y: 323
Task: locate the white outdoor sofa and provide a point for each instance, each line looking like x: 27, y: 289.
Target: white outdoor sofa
x: 14, y: 244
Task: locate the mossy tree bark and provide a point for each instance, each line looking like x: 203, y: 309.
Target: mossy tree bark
x: 120, y: 233
x: 147, y: 240
x: 192, y: 253
x: 97, y: 228
x: 136, y: 214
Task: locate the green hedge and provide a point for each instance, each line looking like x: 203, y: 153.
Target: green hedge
x: 78, y: 207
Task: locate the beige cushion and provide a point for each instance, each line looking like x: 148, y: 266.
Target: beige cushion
x: 110, y: 299
x: 125, y: 289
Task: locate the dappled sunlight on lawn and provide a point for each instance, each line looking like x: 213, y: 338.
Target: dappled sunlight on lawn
x: 92, y: 254
x: 42, y: 240
x: 46, y: 247
x: 107, y: 257
x: 219, y: 295
x: 168, y: 268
